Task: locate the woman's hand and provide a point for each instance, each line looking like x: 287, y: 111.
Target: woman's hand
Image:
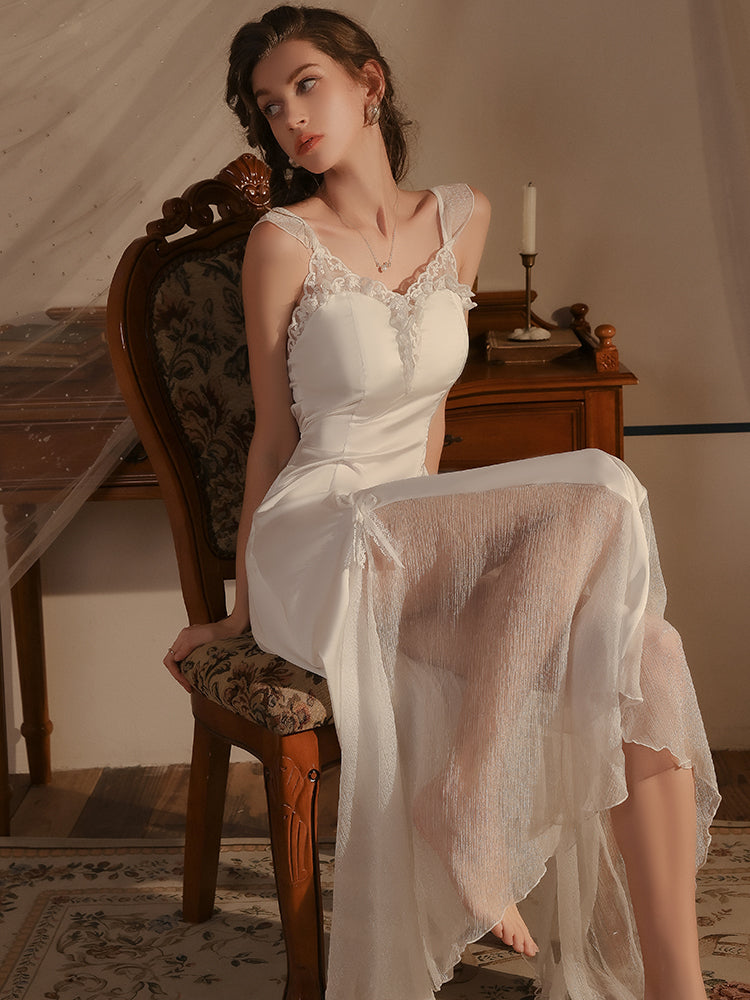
x: 192, y: 637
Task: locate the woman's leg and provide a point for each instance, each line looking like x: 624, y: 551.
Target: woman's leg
x: 656, y: 831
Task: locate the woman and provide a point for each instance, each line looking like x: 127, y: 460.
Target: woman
x: 516, y: 718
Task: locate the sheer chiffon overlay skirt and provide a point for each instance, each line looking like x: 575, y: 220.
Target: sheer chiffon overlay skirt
x: 504, y: 636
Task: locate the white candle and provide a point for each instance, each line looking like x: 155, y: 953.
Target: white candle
x: 528, y: 232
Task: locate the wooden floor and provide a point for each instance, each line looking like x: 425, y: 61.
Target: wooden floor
x: 136, y: 802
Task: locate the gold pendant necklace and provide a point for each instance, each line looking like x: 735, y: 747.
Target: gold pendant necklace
x: 380, y: 265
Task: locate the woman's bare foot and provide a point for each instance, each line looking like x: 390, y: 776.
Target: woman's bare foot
x: 513, y: 931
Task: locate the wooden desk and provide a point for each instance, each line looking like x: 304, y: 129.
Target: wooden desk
x: 495, y: 413
x: 53, y: 425
x: 500, y: 413
x: 503, y: 412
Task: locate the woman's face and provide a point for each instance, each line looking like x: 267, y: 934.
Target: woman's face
x: 315, y: 109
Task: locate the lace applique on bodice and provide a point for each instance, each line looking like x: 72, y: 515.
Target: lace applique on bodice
x: 327, y: 276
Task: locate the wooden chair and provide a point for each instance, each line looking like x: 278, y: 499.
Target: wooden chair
x: 176, y: 335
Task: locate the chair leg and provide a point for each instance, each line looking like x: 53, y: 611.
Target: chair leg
x: 292, y: 775
x: 26, y: 597
x: 205, y: 812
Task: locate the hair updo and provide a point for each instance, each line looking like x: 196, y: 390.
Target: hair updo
x: 344, y: 41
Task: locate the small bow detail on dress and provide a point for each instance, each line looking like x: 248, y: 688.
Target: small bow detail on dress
x: 366, y: 525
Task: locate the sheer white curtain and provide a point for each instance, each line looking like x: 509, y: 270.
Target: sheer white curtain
x: 721, y: 43
x: 110, y: 106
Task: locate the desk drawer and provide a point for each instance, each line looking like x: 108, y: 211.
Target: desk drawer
x: 505, y: 432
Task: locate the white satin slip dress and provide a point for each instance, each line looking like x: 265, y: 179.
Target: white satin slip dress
x: 489, y: 637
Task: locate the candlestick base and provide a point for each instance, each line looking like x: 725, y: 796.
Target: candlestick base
x: 529, y: 333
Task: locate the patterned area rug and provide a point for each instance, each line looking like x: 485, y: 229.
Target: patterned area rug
x: 100, y: 922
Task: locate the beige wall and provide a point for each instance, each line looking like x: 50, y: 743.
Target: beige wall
x: 599, y: 104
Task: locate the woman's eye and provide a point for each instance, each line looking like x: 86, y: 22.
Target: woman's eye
x: 271, y: 110
x: 307, y: 84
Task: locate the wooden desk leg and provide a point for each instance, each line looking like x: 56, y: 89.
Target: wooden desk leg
x: 27, y: 618
x: 4, y: 768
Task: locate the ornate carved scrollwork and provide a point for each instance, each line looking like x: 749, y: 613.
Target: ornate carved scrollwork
x: 250, y: 177
x: 175, y: 212
x: 239, y: 191
x: 294, y: 794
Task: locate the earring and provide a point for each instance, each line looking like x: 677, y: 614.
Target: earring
x: 289, y: 172
x: 373, y: 114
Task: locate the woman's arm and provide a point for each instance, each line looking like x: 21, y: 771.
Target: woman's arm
x: 273, y: 271
x: 470, y: 243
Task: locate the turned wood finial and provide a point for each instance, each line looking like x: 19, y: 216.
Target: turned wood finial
x: 607, y: 356
x: 581, y: 326
x: 579, y: 310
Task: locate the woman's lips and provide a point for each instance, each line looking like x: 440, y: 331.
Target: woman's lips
x: 306, y: 144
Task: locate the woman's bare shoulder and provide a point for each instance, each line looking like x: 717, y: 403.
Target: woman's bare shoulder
x: 482, y: 204
x: 271, y: 249
x: 266, y: 237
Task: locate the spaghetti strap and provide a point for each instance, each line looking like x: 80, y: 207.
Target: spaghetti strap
x: 455, y: 207
x: 293, y: 224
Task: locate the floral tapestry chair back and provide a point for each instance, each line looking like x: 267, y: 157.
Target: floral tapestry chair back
x: 198, y: 335
x: 177, y: 340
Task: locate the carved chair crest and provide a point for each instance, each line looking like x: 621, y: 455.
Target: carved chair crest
x: 237, y: 192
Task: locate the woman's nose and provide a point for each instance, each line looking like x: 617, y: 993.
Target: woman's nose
x: 295, y: 115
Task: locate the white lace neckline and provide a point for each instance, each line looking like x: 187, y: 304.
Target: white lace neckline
x: 327, y: 276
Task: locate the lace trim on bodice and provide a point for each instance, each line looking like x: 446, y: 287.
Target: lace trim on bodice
x: 327, y: 276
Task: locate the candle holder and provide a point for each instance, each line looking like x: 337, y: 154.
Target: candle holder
x: 529, y: 332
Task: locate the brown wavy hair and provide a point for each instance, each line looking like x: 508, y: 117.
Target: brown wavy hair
x: 344, y: 41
